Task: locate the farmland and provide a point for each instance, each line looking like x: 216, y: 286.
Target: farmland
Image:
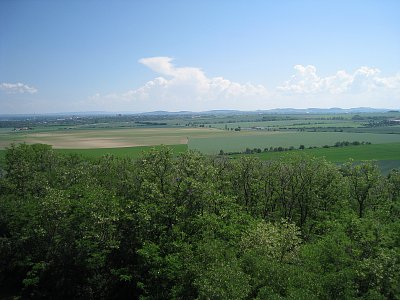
x: 130, y: 135
x: 239, y: 141
x: 103, y: 138
x: 364, y: 152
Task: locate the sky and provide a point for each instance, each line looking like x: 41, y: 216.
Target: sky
x: 136, y: 56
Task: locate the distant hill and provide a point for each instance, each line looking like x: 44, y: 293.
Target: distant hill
x: 333, y: 110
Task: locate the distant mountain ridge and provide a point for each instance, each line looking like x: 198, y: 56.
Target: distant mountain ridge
x: 333, y: 110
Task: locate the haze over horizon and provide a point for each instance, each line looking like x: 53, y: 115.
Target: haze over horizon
x: 63, y: 56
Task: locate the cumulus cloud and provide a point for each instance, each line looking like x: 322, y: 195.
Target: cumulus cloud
x: 189, y: 88
x: 365, y: 79
x: 185, y: 88
x: 17, y: 88
x: 188, y: 82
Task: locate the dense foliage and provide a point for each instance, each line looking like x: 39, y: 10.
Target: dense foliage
x: 195, y: 227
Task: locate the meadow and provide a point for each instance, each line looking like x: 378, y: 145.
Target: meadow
x: 342, y: 154
x: 239, y: 141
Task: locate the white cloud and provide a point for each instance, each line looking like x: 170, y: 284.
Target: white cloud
x: 188, y: 88
x: 182, y: 88
x: 17, y: 88
x: 364, y: 79
x: 392, y: 82
x: 191, y: 83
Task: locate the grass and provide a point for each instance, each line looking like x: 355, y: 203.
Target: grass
x: 380, y: 130
x: 239, y: 141
x: 342, y: 154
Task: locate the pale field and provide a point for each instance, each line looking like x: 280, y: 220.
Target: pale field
x: 106, y: 138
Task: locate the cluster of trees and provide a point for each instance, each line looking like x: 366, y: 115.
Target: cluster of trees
x: 196, y: 227
x: 148, y: 123
x: 319, y: 129
x: 355, y: 143
x: 283, y: 149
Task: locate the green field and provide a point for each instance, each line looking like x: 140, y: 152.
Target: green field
x: 386, y: 156
x: 380, y: 130
x: 341, y: 154
x: 239, y: 141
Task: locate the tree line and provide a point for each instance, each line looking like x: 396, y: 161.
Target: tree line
x: 284, y: 149
x: 196, y: 227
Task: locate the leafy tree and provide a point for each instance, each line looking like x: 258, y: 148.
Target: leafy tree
x: 219, y: 274
x: 29, y: 168
x: 196, y: 227
x: 367, y: 186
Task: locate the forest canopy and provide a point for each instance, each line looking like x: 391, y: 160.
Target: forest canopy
x: 196, y: 227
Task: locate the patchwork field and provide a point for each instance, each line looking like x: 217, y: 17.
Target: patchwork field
x: 206, y: 140
x: 95, y: 136
x: 104, y: 138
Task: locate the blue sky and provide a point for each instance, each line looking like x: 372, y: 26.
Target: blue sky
x: 62, y: 56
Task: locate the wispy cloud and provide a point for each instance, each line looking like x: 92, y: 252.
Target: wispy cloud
x: 17, y: 88
x: 365, y: 79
